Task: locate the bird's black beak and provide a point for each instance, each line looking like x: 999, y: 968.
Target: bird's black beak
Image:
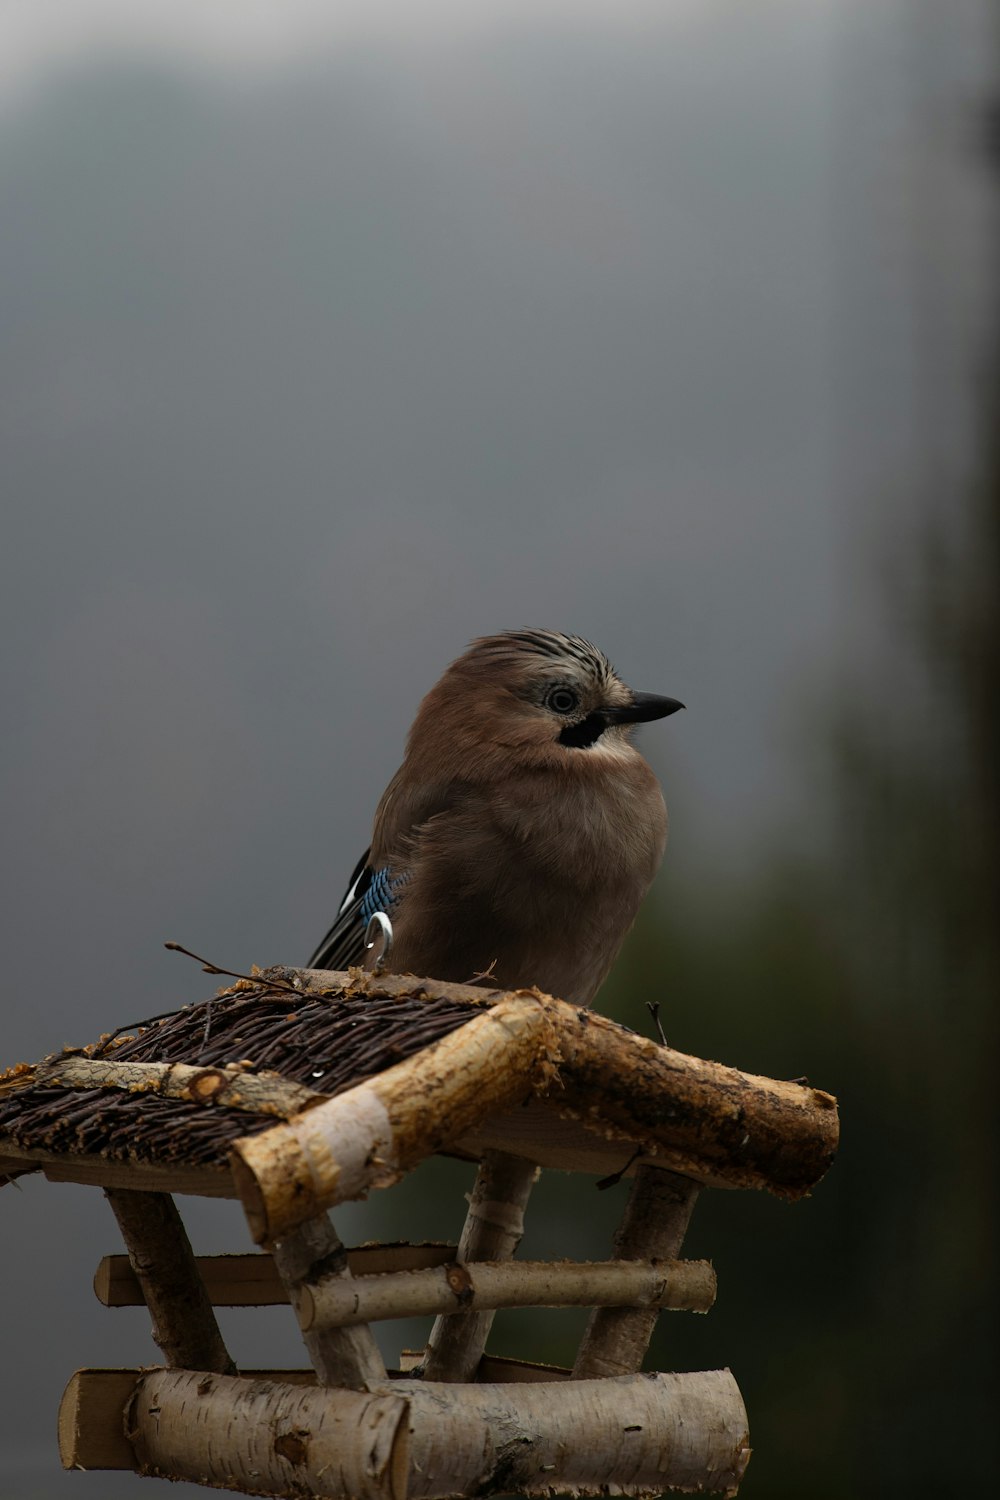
x: 644, y: 706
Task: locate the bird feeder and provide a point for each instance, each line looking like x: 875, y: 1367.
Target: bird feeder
x: 300, y: 1090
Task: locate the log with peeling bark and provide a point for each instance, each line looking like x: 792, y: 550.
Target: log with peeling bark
x: 712, y: 1122
x: 340, y: 1356
x: 262, y: 1438
x: 703, y: 1119
x: 682, y: 1285
x: 493, y: 1228
x: 638, y: 1435
x: 234, y: 1086
x: 601, y: 1098
x: 184, y: 1325
x: 372, y: 1134
x: 653, y: 1225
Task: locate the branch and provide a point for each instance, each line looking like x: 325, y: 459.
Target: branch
x: 492, y: 1231
x: 653, y: 1225
x: 184, y: 1324
x: 687, y: 1285
x: 231, y: 1085
x: 373, y: 1133
x: 340, y: 1356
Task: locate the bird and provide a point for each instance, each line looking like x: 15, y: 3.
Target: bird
x: 520, y: 834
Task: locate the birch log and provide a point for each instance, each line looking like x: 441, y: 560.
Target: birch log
x: 184, y: 1325
x: 653, y: 1226
x: 706, y: 1120
x: 638, y: 1435
x: 340, y: 1356
x: 262, y: 1438
x: 373, y: 1133
x: 493, y: 1229
x: 233, y: 1086
x: 682, y: 1285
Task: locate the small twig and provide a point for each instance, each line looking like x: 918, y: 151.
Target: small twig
x: 271, y: 982
x: 210, y: 968
x: 616, y: 1177
x: 653, y: 1006
x: 140, y: 1025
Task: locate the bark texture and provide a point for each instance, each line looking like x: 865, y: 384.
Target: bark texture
x: 653, y: 1227
x: 133, y: 1111
x: 372, y: 1134
x: 232, y: 1086
x: 638, y: 1435
x: 160, y: 1254
x: 252, y: 1280
x: 262, y: 1438
x: 706, y: 1120
x: 493, y: 1229
x: 340, y: 1356
x: 462, y: 1287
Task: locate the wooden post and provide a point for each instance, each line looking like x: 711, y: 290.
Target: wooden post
x: 493, y: 1229
x: 184, y: 1324
x: 652, y: 1228
x: 340, y: 1356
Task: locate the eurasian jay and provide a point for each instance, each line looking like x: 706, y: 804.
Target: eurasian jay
x: 522, y: 831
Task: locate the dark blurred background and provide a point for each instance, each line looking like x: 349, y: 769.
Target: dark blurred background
x: 333, y: 340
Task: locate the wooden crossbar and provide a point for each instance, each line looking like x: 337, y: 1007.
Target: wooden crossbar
x: 252, y: 1280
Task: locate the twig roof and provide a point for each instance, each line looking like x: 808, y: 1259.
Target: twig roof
x: 183, y: 1088
x: 327, y: 1044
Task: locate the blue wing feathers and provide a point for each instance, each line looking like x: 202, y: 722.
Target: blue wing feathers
x: 369, y: 891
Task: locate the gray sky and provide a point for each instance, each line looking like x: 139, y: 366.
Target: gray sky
x: 330, y: 343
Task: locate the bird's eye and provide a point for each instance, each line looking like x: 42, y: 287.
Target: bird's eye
x: 562, y: 700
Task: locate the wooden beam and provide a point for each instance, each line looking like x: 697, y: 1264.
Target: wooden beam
x: 160, y: 1254
x: 252, y: 1280
x: 92, y: 1432
x: 370, y: 1135
x: 460, y: 1288
x: 493, y: 1228
x: 708, y: 1121
x: 340, y: 1356
x: 102, y: 1171
x: 652, y: 1228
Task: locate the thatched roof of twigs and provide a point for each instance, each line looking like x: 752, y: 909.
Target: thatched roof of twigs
x: 328, y: 1044
x: 588, y: 1095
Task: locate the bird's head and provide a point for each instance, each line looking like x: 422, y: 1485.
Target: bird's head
x: 539, y: 692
